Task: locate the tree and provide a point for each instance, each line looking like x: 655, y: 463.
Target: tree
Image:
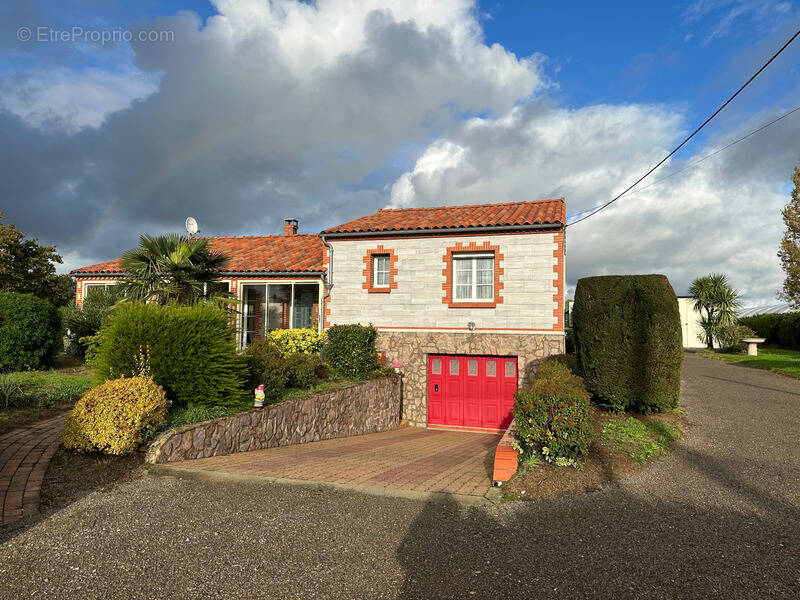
x: 85, y: 320
x: 790, y: 245
x: 716, y: 301
x: 171, y: 268
x: 28, y: 268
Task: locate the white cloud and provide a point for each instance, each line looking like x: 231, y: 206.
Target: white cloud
x: 73, y: 99
x: 722, y: 216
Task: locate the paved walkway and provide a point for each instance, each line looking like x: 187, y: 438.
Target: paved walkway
x: 25, y: 454
x: 409, y: 459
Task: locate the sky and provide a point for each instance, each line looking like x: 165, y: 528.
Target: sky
x: 122, y: 118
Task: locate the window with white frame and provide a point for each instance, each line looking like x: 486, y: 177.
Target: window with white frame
x: 474, y: 277
x: 380, y: 270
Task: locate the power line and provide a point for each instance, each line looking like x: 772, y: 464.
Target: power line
x: 707, y: 156
x: 683, y: 143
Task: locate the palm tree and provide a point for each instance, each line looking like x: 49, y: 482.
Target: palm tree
x: 170, y: 268
x: 716, y: 301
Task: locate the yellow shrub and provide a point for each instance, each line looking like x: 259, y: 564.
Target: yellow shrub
x: 289, y: 341
x: 115, y: 417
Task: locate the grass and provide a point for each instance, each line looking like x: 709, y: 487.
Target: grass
x: 777, y: 360
x: 641, y: 440
x: 26, y: 396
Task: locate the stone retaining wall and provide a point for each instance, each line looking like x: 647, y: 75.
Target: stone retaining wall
x: 368, y: 407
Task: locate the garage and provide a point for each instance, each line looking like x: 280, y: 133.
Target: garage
x: 471, y: 392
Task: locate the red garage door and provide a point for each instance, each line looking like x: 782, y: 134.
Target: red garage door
x: 471, y: 391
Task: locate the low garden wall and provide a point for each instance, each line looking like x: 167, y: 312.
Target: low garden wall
x: 368, y: 407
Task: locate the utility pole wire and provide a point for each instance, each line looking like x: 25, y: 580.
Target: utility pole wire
x: 707, y: 156
x: 684, y: 142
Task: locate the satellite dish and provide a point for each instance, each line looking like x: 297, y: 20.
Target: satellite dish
x: 191, y: 226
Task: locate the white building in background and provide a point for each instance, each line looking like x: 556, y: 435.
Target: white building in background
x: 690, y: 324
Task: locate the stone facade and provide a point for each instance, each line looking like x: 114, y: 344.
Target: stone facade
x: 369, y: 407
x: 411, y: 350
x: 529, y: 268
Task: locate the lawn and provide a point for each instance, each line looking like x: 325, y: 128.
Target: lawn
x: 777, y: 360
x: 26, y: 396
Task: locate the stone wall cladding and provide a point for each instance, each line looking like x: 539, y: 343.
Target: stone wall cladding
x: 411, y: 350
x: 369, y: 407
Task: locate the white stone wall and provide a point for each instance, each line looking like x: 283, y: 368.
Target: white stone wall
x: 528, y: 278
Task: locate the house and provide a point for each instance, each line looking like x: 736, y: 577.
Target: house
x: 466, y: 298
x: 693, y: 335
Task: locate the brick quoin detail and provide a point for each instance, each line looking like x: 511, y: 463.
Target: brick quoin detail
x: 558, y: 269
x: 447, y: 286
x: 369, y: 271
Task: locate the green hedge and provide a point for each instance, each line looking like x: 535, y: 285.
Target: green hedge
x: 553, y: 417
x: 190, y: 351
x: 350, y: 349
x: 779, y: 330
x: 30, y: 332
x: 628, y: 341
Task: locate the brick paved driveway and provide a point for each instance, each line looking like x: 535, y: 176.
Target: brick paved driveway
x: 408, y: 459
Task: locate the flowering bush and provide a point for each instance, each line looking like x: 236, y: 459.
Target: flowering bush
x: 290, y: 341
x: 116, y: 416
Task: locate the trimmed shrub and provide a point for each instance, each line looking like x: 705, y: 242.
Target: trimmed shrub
x: 350, y: 349
x: 558, y: 364
x: 553, y: 417
x: 265, y: 366
x: 188, y: 350
x: 301, y: 370
x: 628, y: 341
x: 30, y: 332
x: 778, y: 329
x: 116, y: 416
x: 729, y: 336
x: 85, y: 321
x: 288, y: 341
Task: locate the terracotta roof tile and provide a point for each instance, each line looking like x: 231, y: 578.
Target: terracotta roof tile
x: 537, y: 212
x: 255, y: 253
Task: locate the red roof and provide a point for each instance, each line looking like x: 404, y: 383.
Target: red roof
x: 255, y: 253
x: 536, y: 212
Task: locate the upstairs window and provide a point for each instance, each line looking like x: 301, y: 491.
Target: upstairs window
x: 474, y: 277
x: 381, y: 266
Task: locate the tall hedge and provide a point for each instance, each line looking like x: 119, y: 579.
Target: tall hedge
x: 350, y: 349
x: 30, y: 332
x: 190, y: 351
x: 779, y: 329
x: 628, y: 341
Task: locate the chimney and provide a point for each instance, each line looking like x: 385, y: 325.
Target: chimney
x: 290, y: 227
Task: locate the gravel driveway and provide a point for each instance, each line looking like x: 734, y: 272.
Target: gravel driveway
x: 718, y: 518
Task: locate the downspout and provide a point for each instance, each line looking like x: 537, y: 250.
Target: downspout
x: 327, y: 278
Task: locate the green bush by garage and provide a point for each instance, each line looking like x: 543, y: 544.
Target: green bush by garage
x: 189, y: 351
x: 628, y: 341
x: 30, y: 332
x: 553, y: 418
x: 350, y: 350
x: 778, y: 329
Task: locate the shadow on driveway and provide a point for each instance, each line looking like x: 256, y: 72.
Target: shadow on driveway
x: 617, y: 547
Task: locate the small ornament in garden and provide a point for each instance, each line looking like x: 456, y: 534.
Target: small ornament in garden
x: 396, y: 366
x: 259, y: 403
